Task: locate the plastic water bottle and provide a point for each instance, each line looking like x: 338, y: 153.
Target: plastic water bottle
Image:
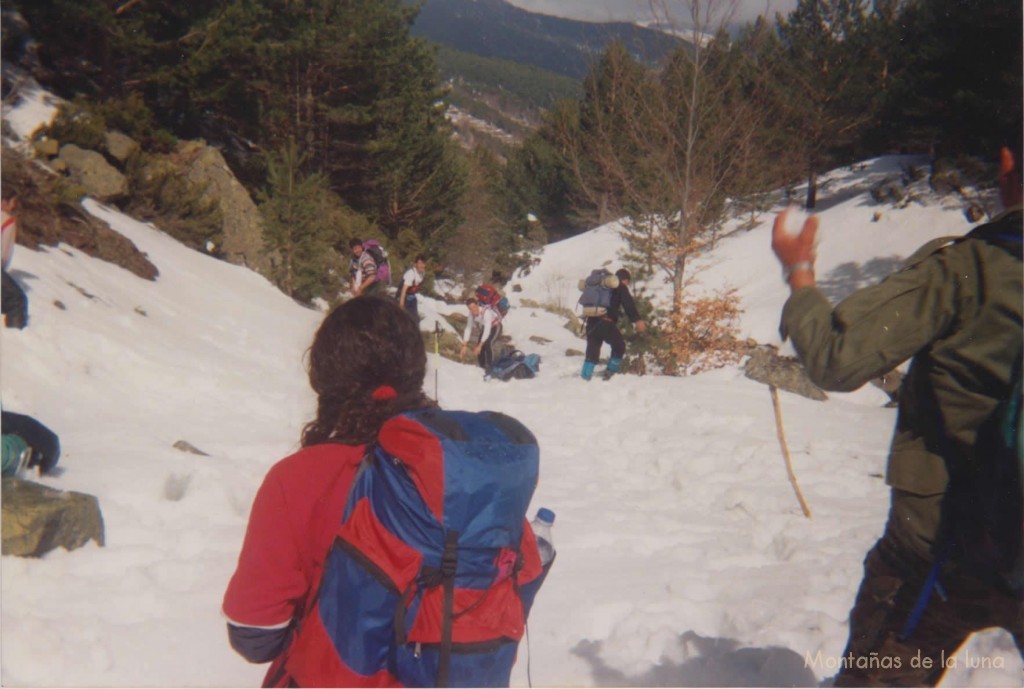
x: 542, y: 530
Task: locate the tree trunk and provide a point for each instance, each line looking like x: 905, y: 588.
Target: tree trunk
x: 677, y: 284
x: 812, y: 189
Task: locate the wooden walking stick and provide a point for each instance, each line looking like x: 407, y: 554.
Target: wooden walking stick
x: 785, y: 451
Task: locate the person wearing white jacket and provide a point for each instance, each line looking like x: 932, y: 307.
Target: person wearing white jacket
x: 488, y: 322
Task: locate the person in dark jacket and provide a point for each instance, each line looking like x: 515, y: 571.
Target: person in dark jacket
x: 602, y: 329
x: 27, y: 443
x: 954, y: 310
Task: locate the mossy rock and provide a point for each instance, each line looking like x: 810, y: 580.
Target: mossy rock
x: 37, y: 519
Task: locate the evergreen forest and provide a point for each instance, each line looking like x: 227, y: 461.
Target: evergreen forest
x: 333, y: 114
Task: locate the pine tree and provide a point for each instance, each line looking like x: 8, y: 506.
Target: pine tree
x: 346, y: 80
x: 537, y: 182
x: 833, y: 80
x: 667, y: 147
x: 956, y: 76
x: 303, y: 221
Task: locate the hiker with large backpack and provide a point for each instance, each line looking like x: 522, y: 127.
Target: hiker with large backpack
x: 393, y: 548
x: 955, y: 310
x: 482, y: 327
x: 603, y: 295
x: 369, y: 270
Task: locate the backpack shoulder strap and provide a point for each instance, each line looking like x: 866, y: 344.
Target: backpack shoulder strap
x: 1006, y: 231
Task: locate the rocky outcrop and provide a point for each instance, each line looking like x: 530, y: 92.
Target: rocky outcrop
x: 100, y: 179
x: 242, y: 242
x: 37, y: 519
x: 46, y: 220
x: 121, y: 147
x: 765, y: 365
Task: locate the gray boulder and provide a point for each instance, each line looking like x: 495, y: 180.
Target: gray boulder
x: 765, y: 365
x: 37, y: 519
x: 121, y: 147
x: 243, y: 225
x: 46, y: 148
x: 100, y: 179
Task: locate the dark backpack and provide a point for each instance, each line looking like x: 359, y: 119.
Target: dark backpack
x: 597, y: 291
x: 380, y: 257
x: 434, y: 566
x: 983, y: 508
x: 488, y: 295
x: 514, y: 365
x: 985, y: 500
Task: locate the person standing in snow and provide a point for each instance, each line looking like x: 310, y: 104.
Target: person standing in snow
x: 411, y: 281
x: 363, y: 272
x: 602, y: 329
x: 954, y: 310
x: 366, y: 364
x: 487, y: 322
x: 14, y: 301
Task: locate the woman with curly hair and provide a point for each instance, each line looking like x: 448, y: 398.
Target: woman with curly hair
x: 366, y: 365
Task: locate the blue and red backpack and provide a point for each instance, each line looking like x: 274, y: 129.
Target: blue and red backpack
x: 434, y: 567
x: 488, y: 295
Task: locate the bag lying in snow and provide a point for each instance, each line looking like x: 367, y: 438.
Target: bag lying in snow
x: 514, y: 364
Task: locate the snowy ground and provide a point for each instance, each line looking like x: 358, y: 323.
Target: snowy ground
x: 684, y: 559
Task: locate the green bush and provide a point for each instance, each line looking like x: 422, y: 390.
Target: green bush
x: 160, y: 193
x: 131, y: 116
x: 75, y: 123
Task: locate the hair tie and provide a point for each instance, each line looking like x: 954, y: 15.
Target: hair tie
x: 384, y: 392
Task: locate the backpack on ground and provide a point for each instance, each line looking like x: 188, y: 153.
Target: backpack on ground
x: 488, y: 295
x: 596, y: 291
x: 434, y: 567
x: 514, y: 365
x: 380, y: 257
x: 985, y: 500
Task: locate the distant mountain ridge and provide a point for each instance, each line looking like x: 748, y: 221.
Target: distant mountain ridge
x: 497, y: 29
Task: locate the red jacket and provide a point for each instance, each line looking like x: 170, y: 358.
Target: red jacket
x: 292, y: 524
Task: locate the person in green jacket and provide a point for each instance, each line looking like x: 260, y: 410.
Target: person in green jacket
x: 954, y: 310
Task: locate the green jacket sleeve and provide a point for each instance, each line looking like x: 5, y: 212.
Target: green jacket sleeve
x: 876, y: 328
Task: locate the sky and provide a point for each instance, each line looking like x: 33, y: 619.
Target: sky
x: 641, y: 10
x: 684, y: 558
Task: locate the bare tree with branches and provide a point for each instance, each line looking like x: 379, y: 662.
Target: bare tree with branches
x: 664, y: 147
